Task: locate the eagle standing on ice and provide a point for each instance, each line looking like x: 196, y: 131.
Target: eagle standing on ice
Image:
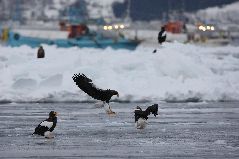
x: 46, y: 127
x: 141, y: 116
x: 86, y: 85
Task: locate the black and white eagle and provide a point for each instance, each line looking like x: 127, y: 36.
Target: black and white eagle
x: 46, y: 127
x: 86, y: 85
x: 162, y: 35
x: 141, y: 116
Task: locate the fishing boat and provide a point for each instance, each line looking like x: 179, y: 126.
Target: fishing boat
x: 69, y: 36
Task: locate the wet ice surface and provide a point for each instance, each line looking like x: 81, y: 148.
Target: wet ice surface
x: 202, y: 130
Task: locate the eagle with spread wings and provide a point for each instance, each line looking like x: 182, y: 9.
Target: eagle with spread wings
x: 86, y: 85
x: 141, y: 116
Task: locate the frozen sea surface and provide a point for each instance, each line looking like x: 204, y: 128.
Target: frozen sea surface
x: 182, y: 130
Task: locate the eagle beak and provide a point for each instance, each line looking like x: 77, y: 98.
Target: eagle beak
x: 55, y: 113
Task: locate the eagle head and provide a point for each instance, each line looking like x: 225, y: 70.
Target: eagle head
x: 113, y: 92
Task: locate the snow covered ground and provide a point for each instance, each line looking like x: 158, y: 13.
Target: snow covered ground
x: 201, y: 130
x: 177, y: 72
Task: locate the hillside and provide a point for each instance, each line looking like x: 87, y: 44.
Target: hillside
x: 226, y: 14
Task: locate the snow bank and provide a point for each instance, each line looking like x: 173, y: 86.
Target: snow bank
x: 177, y: 72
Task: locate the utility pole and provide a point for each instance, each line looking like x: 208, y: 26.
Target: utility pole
x: 169, y: 10
x: 182, y: 10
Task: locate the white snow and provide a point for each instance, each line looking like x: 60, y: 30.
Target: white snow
x: 39, y: 9
x: 177, y: 72
x: 103, y: 8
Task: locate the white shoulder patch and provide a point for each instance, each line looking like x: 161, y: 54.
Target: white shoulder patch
x: 47, y: 124
x: 164, y: 33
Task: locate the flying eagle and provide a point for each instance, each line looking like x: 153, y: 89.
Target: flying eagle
x: 141, y: 116
x: 86, y: 85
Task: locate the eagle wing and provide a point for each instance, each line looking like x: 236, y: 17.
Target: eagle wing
x: 86, y: 85
x: 144, y: 114
x: 153, y: 109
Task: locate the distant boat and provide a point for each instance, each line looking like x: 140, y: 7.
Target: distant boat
x: 67, y: 38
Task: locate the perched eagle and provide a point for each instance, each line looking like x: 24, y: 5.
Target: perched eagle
x: 141, y: 116
x: 162, y: 35
x: 86, y: 85
x: 46, y: 127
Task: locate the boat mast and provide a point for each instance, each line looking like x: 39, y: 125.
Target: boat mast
x: 127, y: 17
